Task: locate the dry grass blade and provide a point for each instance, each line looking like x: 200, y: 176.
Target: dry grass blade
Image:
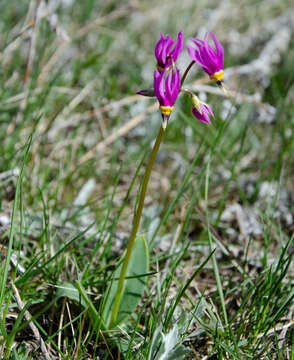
x: 31, y: 58
x: 60, y: 325
x: 114, y: 15
x: 238, y: 96
x: 33, y: 327
x: 120, y: 132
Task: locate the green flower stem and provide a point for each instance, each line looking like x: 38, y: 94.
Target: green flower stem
x: 136, y: 223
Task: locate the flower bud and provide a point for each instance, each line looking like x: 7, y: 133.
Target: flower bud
x: 146, y: 92
x: 201, y: 110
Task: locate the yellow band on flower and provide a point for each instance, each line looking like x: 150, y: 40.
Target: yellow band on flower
x: 159, y: 68
x: 217, y: 76
x: 166, y: 110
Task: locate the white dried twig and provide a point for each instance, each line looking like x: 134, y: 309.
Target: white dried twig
x: 33, y: 327
x: 269, y: 56
x: 63, y: 47
x: 60, y: 326
x: 61, y: 119
x: 120, y: 132
x: 31, y: 58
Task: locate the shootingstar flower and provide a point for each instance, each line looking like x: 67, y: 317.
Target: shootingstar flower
x: 211, y: 60
x: 166, y: 90
x: 201, y: 110
x: 163, y: 53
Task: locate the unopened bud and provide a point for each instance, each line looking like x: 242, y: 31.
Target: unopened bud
x: 146, y: 92
x: 196, y: 102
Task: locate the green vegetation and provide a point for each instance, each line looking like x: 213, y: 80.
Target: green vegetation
x: 219, y: 212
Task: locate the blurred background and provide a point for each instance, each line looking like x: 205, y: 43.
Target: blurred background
x: 69, y: 71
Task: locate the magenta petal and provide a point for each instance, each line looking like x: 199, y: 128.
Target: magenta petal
x: 191, y: 52
x: 167, y: 91
x: 218, y: 46
x: 172, y: 86
x: 205, y: 118
x: 208, y: 108
x: 163, y: 49
x: 204, y: 115
x: 209, y: 58
x: 178, y: 48
x: 158, y: 50
x: 158, y: 46
x: 161, y: 87
x: 201, y: 117
x: 199, y: 43
x: 195, y: 55
x: 166, y: 49
x: 158, y: 85
x: 168, y: 87
x: 177, y: 85
x: 202, y: 62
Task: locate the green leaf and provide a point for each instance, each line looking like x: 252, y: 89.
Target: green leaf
x: 11, y: 337
x: 71, y: 292
x: 135, y: 282
x: 156, y: 343
x: 167, y: 347
x: 78, y: 294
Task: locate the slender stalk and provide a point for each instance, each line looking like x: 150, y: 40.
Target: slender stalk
x: 187, y: 71
x: 136, y: 223
x: 187, y: 91
x: 4, y: 272
x: 212, y: 249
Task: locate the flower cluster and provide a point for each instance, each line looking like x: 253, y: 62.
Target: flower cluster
x: 167, y: 83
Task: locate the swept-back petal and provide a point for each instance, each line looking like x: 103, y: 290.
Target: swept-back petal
x: 158, y: 46
x: 166, y: 48
x: 209, y: 58
x: 197, y: 42
x: 176, y: 85
x: 158, y: 86
x: 196, y: 56
x: 163, y: 51
x: 208, y: 108
x: 178, y: 48
x: 156, y: 83
x: 191, y: 52
x: 218, y: 46
x: 168, y: 88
